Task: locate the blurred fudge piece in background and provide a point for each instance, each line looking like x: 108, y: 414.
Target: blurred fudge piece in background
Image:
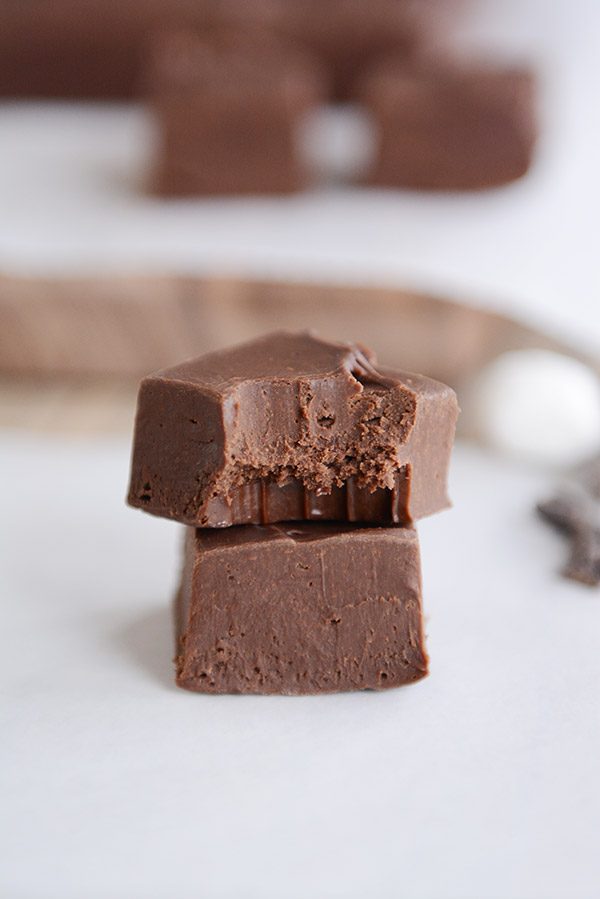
x: 94, y: 49
x: 228, y: 105
x: 228, y: 109
x: 445, y: 127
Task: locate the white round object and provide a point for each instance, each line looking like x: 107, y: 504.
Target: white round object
x: 539, y: 405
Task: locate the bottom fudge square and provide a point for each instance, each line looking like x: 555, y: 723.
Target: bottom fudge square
x: 309, y: 608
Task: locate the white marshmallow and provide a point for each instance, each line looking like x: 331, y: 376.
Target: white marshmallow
x: 538, y: 405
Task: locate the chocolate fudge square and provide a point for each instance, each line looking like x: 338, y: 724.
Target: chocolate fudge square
x: 309, y: 608
x: 450, y: 128
x: 229, y: 106
x: 291, y: 427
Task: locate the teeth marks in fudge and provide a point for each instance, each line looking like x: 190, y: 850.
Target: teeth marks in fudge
x: 321, y: 430
x: 216, y: 438
x: 308, y: 608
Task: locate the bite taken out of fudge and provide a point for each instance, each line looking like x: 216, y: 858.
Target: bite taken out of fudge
x: 291, y: 427
x: 306, y: 608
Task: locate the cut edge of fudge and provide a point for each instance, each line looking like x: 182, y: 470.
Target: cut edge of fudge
x: 305, y: 609
x: 284, y: 409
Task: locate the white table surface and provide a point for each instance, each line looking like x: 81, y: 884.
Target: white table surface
x: 480, y: 782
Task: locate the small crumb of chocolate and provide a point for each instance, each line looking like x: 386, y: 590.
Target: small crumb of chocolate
x: 575, y: 512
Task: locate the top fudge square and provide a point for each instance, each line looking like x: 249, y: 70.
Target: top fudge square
x: 291, y: 427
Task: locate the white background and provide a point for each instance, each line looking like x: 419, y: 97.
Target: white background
x: 480, y: 782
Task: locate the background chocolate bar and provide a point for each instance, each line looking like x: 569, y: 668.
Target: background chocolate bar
x: 447, y: 127
x: 228, y: 105
x: 69, y: 48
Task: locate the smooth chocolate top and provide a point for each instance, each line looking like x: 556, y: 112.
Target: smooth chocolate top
x: 279, y: 355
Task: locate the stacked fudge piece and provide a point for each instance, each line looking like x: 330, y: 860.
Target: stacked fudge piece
x: 298, y: 466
